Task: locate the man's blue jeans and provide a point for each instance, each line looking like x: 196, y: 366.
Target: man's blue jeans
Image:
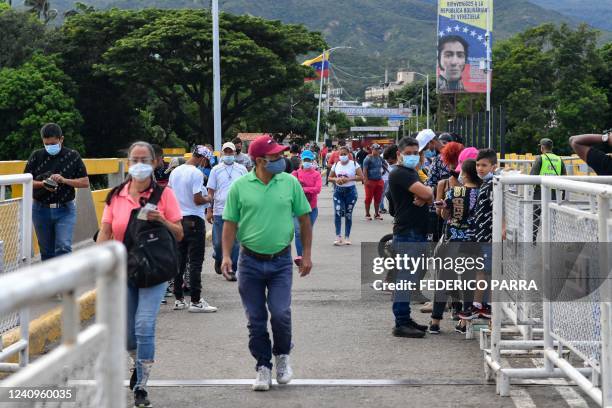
x: 54, y: 228
x: 142, y: 309
x: 216, y: 236
x: 261, y: 282
x: 296, y: 224
x: 413, y: 244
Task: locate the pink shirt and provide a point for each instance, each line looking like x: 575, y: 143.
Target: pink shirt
x: 311, y: 183
x: 117, y: 214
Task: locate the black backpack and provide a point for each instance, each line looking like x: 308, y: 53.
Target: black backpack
x: 151, y: 246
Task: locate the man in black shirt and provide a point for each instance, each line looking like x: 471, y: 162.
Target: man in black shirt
x: 600, y: 162
x: 409, y: 200
x: 57, y: 171
x: 162, y: 175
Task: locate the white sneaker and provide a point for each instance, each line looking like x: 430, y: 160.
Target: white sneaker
x: 284, y: 373
x: 339, y: 241
x: 201, y: 307
x: 263, y: 381
x: 180, y: 305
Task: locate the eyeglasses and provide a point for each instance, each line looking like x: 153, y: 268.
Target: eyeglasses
x: 145, y: 160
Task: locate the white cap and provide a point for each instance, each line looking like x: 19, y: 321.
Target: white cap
x: 228, y: 145
x: 424, y: 137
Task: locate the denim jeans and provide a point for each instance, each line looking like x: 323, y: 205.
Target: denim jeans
x: 191, y: 248
x: 217, y: 243
x: 54, y: 228
x: 296, y: 224
x: 344, y: 204
x: 143, y: 307
x: 261, y: 282
x: 407, y: 244
x: 382, y: 200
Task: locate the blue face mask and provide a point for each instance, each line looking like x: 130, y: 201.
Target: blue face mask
x: 53, y: 149
x: 411, y: 161
x: 276, y: 166
x: 229, y: 160
x: 307, y: 165
x: 430, y: 154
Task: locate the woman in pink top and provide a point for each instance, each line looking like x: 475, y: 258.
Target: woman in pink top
x: 143, y: 303
x: 310, y: 179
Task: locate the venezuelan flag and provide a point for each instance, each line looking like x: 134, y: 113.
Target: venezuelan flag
x: 320, y: 65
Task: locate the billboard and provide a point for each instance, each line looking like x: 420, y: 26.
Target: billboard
x: 462, y: 46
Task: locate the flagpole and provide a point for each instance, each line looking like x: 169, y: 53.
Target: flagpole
x: 320, y: 97
x: 488, y: 40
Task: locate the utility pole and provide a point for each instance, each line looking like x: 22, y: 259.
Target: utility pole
x: 216, y: 76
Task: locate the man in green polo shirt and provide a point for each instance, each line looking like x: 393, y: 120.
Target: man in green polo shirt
x: 260, y: 208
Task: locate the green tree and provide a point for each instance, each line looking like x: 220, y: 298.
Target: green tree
x: 547, y: 77
x: 30, y: 96
x: 172, y: 56
x: 21, y: 35
x: 112, y: 112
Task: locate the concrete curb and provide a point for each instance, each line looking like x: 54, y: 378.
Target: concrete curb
x: 47, y: 328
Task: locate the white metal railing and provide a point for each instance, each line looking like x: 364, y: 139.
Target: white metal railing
x: 15, y: 252
x: 96, y: 352
x: 586, y: 209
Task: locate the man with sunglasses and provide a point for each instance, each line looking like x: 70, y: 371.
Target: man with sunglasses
x: 259, y: 209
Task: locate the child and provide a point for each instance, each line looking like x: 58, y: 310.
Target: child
x: 482, y: 226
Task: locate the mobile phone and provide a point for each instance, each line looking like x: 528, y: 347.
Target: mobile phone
x: 142, y: 214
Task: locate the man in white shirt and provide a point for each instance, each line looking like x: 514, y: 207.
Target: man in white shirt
x: 222, y: 176
x: 187, y: 182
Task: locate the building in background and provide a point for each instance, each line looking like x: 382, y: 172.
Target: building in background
x: 381, y: 93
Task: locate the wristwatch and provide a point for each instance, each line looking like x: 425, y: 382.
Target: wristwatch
x: 605, y: 137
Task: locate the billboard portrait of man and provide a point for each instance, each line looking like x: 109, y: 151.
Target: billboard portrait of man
x: 453, y: 54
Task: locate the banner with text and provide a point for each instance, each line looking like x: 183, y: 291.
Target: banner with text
x: 462, y: 45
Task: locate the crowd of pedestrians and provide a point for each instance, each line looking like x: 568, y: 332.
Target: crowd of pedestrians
x: 437, y: 190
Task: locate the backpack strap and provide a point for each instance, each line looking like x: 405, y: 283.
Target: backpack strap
x: 156, y: 195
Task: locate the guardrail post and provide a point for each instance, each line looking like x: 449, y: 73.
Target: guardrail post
x: 545, y: 228
x: 496, y: 309
x: 603, y: 206
x: 117, y: 178
x: 110, y: 302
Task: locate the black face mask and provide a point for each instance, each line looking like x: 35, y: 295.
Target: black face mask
x: 454, y: 174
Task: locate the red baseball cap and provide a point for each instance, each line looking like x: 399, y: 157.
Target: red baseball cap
x: 265, y: 145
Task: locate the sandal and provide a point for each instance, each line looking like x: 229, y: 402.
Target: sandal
x: 379, y: 217
x: 368, y: 218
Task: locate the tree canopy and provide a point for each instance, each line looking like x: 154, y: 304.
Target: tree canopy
x: 30, y: 96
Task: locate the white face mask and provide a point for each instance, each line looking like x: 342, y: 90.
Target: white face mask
x: 140, y: 171
x: 344, y: 159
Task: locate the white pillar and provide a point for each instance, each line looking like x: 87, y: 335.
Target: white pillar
x: 216, y: 76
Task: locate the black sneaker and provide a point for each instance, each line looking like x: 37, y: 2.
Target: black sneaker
x: 460, y: 329
x: 141, y: 400
x: 434, y: 328
x: 417, y: 326
x: 232, y: 277
x: 408, y: 331
x: 133, y: 379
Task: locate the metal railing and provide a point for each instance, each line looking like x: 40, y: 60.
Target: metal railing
x: 93, y: 359
x: 553, y: 329
x: 15, y: 251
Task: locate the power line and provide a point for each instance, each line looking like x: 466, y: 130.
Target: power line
x: 356, y: 76
x: 333, y: 72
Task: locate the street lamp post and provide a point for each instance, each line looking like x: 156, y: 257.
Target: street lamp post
x: 216, y: 76
x: 326, y: 53
x: 426, y: 76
